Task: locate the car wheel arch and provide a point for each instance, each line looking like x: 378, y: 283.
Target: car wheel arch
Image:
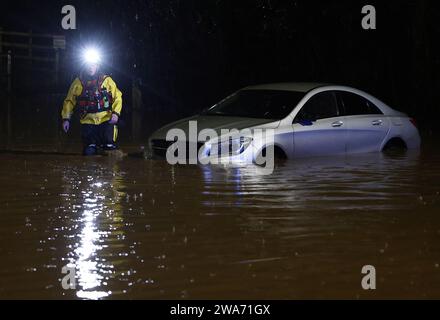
x: 395, y: 142
x: 279, y: 151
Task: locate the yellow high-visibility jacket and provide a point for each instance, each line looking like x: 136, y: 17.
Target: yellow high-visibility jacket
x: 92, y: 118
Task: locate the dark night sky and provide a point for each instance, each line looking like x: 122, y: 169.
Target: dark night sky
x: 188, y: 54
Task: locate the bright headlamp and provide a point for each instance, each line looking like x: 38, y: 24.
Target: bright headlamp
x: 91, y: 56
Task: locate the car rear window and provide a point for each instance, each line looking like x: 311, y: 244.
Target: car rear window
x: 354, y: 104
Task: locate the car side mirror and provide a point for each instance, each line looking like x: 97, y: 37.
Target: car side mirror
x: 305, y: 121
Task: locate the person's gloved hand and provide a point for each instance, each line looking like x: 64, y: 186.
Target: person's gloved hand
x: 114, y: 119
x: 66, y: 126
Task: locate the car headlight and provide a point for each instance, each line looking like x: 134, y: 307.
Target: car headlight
x: 233, y: 146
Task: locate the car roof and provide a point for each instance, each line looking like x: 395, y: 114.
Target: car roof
x: 306, y: 87
x: 289, y: 86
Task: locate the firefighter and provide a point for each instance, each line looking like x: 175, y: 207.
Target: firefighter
x: 99, y: 102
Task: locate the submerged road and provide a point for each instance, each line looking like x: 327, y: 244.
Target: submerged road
x: 136, y: 228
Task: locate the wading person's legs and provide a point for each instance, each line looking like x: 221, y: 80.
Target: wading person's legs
x: 108, y: 136
x: 90, y: 139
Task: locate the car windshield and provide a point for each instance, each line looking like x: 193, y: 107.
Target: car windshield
x: 260, y: 104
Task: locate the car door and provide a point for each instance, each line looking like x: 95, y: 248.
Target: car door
x: 367, y: 126
x: 319, y: 127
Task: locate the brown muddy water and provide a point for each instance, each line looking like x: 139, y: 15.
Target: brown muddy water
x: 138, y: 229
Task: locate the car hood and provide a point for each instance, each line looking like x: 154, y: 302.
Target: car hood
x: 216, y: 123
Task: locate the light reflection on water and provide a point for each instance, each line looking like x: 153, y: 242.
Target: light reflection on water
x: 100, y: 201
x: 144, y: 229
x: 354, y: 182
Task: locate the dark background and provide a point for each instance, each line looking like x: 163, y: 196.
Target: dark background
x: 185, y: 55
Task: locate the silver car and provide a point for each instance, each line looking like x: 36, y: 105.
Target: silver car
x: 307, y: 119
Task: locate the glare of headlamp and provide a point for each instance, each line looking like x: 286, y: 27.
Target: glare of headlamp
x: 91, y: 56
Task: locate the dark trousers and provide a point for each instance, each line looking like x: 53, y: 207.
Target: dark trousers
x: 98, y: 136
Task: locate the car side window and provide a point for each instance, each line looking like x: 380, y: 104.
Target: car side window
x: 321, y: 106
x: 354, y: 104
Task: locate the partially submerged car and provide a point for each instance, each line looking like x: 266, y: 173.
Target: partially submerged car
x: 307, y: 119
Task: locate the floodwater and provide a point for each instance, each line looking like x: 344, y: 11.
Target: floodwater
x: 138, y: 229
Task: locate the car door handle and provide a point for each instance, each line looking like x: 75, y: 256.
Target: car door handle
x: 377, y: 122
x: 337, y: 124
